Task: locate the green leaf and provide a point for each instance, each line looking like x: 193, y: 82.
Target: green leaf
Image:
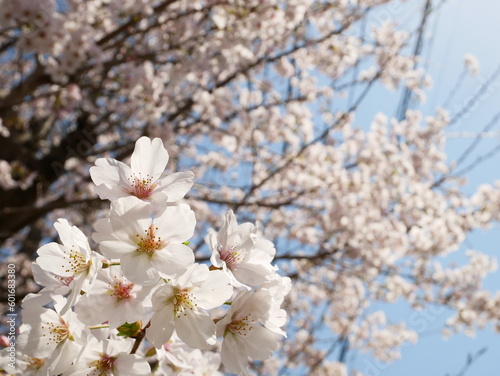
x: 130, y: 330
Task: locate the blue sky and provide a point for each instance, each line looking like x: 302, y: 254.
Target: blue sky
x: 462, y: 26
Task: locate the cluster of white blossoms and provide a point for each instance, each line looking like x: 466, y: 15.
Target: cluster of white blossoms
x: 142, y: 300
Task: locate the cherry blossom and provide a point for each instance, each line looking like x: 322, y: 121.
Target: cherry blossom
x: 142, y: 179
x: 472, y: 64
x: 181, y: 304
x: 45, y: 334
x: 113, y: 299
x: 237, y: 250
x: 26, y: 364
x: 73, y: 262
x: 243, y: 332
x: 147, y: 247
x: 109, y: 357
x: 176, y: 358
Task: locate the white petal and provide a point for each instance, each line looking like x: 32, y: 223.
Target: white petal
x: 233, y: 355
x: 37, y: 346
x: 129, y: 310
x: 172, y: 259
x: 127, y: 222
x: 61, y: 360
x: 216, y: 260
x: 229, y: 226
x: 176, y: 224
x: 115, y: 249
x: 176, y: 185
x: 214, y: 291
x: 162, y: 296
x: 90, y: 308
x: 64, y: 231
x: 223, y: 323
x: 260, y: 343
x: 43, y: 277
x: 196, y: 329
x: 123, y: 205
x: 162, y: 326
x: 266, y: 249
x: 111, y: 178
x: 139, y: 268
x: 114, y: 347
x: 149, y: 158
x: 76, y: 287
x: 257, y: 304
x: 37, y: 300
x: 103, y: 230
x: 54, y: 258
x: 253, y: 274
x: 245, y: 230
x: 211, y: 239
x: 195, y: 275
x: 132, y: 365
x: 72, y: 236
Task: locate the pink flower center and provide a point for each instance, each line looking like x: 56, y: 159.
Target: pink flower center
x: 142, y: 187
x: 231, y: 257
x: 122, y: 290
x: 104, y: 366
x: 149, y: 243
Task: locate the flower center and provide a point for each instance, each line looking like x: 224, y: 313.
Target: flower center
x: 122, y: 290
x: 183, y: 301
x: 142, y: 187
x: 76, y: 262
x: 240, y: 327
x: 104, y: 366
x: 149, y: 243
x: 56, y: 332
x: 232, y: 257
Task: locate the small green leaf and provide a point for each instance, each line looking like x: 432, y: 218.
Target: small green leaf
x: 130, y: 330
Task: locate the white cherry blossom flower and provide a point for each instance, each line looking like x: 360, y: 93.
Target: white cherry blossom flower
x: 175, y: 358
x: 73, y: 262
x: 181, y: 305
x: 109, y: 357
x: 173, y: 355
x: 24, y: 365
x: 471, y: 62
x: 148, y: 248
x: 243, y: 332
x: 114, y: 179
x: 241, y: 253
x: 113, y: 298
x: 46, y: 334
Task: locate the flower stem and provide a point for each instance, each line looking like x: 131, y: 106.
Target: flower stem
x: 139, y: 339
